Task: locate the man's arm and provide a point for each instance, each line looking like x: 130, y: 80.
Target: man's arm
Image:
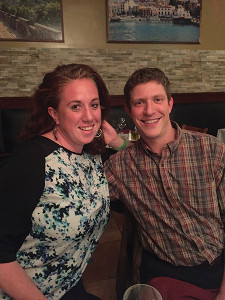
x: 220, y: 180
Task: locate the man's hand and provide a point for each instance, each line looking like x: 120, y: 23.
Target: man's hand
x: 219, y: 296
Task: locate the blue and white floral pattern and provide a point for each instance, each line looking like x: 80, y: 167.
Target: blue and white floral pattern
x: 67, y: 222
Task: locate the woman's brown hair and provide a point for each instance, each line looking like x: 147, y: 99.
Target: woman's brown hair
x: 48, y: 94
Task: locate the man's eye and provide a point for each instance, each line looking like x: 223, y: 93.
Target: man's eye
x: 157, y: 100
x: 75, y: 107
x: 138, y: 103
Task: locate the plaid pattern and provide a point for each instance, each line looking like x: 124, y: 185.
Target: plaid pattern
x: 178, y: 198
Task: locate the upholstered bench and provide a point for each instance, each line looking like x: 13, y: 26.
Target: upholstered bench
x: 204, y: 110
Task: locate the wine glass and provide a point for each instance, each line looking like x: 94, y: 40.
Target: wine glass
x: 142, y: 292
x: 121, y: 124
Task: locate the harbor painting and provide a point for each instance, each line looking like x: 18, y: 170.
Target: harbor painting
x: 153, y: 21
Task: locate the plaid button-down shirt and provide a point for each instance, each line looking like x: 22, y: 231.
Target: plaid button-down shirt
x: 178, y: 198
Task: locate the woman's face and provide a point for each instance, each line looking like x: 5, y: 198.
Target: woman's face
x: 78, y: 116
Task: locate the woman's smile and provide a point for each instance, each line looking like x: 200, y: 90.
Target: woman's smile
x: 78, y: 117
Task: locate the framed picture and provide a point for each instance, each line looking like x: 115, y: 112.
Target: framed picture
x: 153, y: 21
x: 31, y: 20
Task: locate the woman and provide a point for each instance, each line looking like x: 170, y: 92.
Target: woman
x: 54, y: 197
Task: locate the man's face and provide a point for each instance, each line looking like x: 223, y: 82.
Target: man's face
x: 150, y: 109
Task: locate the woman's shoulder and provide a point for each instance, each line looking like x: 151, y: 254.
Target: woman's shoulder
x: 37, y: 145
x: 31, y: 152
x: 27, y: 162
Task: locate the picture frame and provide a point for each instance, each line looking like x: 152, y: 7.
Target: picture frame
x: 31, y: 21
x: 153, y: 21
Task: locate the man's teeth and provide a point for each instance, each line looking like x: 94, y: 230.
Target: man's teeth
x: 86, y: 128
x: 151, y: 121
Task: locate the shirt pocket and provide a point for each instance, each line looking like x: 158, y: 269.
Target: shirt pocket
x: 203, y: 196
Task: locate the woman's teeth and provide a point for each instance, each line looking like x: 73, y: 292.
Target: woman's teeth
x: 86, y: 128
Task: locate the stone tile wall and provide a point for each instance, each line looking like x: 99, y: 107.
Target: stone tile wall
x: 22, y: 69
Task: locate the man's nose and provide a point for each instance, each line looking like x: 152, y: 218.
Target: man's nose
x: 149, y: 108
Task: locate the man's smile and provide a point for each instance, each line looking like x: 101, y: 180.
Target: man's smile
x: 150, y: 121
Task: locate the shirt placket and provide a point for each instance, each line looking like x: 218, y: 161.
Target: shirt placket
x: 165, y: 177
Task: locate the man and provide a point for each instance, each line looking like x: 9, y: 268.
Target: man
x: 172, y: 181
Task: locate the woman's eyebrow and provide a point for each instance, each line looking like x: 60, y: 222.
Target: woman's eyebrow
x: 97, y: 98
x: 80, y: 101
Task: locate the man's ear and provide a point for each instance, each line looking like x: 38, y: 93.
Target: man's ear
x: 53, y: 113
x: 171, y: 104
x: 127, y: 109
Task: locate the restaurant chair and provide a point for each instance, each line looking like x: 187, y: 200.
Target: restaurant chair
x: 193, y: 128
x: 130, y: 255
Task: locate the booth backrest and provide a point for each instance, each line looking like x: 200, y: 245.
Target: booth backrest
x: 13, y: 115
x: 203, y: 115
x: 205, y: 110
x: 12, y: 122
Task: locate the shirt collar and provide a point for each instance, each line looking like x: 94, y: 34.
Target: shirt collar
x: 171, y: 145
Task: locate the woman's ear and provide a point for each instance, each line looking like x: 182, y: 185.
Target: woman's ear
x: 53, y: 113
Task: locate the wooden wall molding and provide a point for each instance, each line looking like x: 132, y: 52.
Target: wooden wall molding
x: 15, y: 102
x: 118, y: 100
x: 179, y: 98
x: 203, y: 97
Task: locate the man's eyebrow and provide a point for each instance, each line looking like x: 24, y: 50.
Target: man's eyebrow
x: 139, y: 99
x: 158, y: 95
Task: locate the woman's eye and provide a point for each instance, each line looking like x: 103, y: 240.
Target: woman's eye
x: 95, y: 105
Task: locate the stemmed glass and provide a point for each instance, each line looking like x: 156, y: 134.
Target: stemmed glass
x: 142, y: 292
x: 121, y: 124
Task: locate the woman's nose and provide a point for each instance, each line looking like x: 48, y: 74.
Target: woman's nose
x: 87, y: 115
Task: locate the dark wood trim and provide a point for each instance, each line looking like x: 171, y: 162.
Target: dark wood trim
x: 203, y: 97
x: 15, y: 102
x: 118, y: 100
x: 5, y: 154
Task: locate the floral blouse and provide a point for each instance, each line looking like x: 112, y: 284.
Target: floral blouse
x: 65, y: 222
